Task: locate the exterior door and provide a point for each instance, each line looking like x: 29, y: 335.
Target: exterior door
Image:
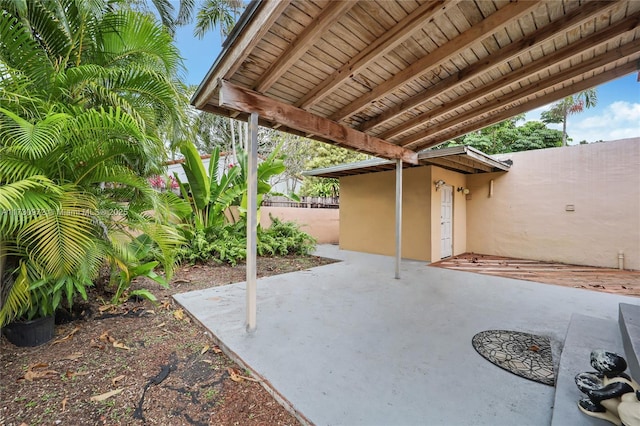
x: 446, y: 221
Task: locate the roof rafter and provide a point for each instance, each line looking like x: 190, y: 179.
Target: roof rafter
x: 428, y: 62
x: 495, y: 59
x: 524, y: 72
x: 241, y: 47
x: 380, y: 47
x: 429, y: 141
x: 450, y: 163
x: 248, y: 101
x: 303, y: 42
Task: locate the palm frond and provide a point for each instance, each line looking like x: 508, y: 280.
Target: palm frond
x: 61, y: 241
x: 13, y: 168
x: 30, y: 140
x: 22, y: 201
x: 137, y: 38
x: 20, y: 51
x: 14, y: 295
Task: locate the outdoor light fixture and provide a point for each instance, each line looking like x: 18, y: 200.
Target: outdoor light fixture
x: 439, y: 183
x: 465, y: 191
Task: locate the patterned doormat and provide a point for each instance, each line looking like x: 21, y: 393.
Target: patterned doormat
x: 523, y: 354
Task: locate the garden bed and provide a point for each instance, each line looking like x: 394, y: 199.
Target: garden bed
x: 95, y: 371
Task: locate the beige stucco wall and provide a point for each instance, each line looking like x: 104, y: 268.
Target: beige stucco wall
x: 367, y: 213
x: 322, y: 224
x: 527, y: 215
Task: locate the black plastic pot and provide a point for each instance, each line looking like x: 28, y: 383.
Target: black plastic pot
x: 30, y: 333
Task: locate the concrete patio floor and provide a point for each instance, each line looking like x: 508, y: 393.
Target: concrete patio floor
x: 347, y: 344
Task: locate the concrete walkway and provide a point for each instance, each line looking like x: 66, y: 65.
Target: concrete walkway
x: 346, y: 344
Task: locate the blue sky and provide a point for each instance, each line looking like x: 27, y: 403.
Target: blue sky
x: 617, y: 115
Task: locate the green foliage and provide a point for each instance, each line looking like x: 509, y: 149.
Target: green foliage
x: 574, y: 104
x: 228, y: 243
x: 326, y: 155
x: 210, y: 194
x: 123, y: 279
x: 207, y: 196
x: 87, y: 89
x: 506, y: 136
x: 284, y: 238
x: 535, y: 135
x: 273, y: 165
x: 220, y: 244
x: 217, y: 13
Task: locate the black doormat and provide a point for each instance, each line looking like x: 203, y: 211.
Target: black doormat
x: 523, y: 354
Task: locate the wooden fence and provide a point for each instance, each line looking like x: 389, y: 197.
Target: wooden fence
x: 305, y: 202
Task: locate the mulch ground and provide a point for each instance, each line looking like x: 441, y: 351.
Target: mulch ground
x: 139, y: 363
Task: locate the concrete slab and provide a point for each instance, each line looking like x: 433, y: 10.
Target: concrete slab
x: 346, y: 343
x: 629, y: 320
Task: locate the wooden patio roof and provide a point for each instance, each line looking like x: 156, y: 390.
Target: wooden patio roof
x: 393, y: 77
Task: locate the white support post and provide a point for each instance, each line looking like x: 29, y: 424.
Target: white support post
x: 398, y: 216
x: 252, y: 223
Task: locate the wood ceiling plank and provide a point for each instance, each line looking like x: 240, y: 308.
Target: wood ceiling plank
x: 616, y: 72
x: 380, y: 47
x: 359, y: 13
x: 511, y: 51
x: 448, y: 164
x: 567, y: 52
x: 447, y: 51
x: 247, y: 101
x: 303, y: 42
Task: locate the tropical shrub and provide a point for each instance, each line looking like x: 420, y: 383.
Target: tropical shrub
x: 228, y: 243
x: 222, y: 244
x: 208, y: 193
x: 87, y: 90
x: 284, y: 238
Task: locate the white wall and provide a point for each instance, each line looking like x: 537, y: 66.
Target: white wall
x: 527, y: 215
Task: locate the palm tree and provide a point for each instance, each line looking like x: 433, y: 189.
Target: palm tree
x: 570, y: 105
x: 217, y: 13
x: 86, y: 92
x: 211, y: 14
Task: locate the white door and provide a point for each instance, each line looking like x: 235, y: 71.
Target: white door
x: 446, y: 221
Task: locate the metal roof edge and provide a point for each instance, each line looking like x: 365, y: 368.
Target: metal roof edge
x: 348, y: 166
x: 474, y: 153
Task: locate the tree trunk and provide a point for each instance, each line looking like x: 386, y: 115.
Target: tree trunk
x: 564, y: 129
x: 233, y: 140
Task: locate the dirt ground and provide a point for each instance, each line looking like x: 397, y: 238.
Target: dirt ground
x: 139, y: 364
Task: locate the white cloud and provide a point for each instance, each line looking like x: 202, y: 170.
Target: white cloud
x: 618, y: 120
x: 626, y: 110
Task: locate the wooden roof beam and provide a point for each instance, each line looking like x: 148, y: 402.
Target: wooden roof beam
x: 575, y: 18
x: 312, y: 33
x: 569, y: 51
x: 380, y: 47
x: 433, y: 60
x: 248, y: 101
x: 470, y: 162
x: 452, y: 165
x: 429, y: 140
x: 241, y: 47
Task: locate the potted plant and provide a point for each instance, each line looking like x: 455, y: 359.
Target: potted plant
x: 27, y: 315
